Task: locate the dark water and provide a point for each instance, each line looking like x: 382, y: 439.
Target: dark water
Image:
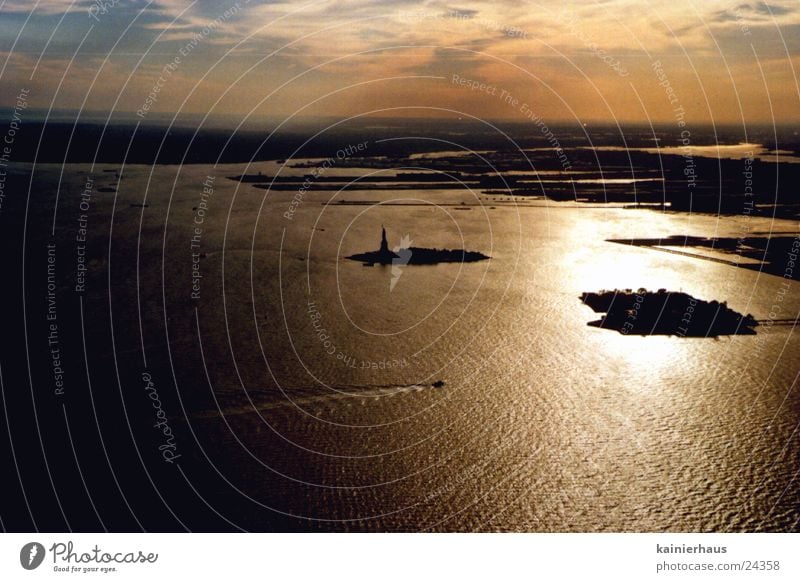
x: 299, y: 385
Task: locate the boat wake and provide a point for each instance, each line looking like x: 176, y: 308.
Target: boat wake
x: 355, y: 393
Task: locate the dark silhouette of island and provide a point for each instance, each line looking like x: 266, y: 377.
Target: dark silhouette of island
x: 664, y: 312
x: 767, y: 253
x: 415, y: 255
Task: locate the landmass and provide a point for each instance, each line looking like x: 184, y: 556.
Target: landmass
x: 415, y: 255
x: 665, y: 312
x: 774, y: 253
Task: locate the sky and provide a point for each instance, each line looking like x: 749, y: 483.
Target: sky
x: 658, y: 61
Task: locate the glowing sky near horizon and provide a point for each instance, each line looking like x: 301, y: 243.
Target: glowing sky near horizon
x: 722, y: 61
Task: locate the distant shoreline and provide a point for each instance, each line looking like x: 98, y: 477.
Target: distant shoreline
x: 64, y: 141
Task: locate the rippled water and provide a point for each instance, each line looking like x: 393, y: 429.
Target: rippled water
x: 310, y: 386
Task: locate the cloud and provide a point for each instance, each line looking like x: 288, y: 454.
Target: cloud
x: 46, y: 7
x: 769, y: 10
x: 462, y: 13
x: 374, y: 39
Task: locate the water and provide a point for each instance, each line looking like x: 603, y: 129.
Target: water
x: 731, y: 152
x: 304, y: 394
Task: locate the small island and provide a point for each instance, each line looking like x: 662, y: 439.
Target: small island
x: 415, y: 255
x: 664, y: 312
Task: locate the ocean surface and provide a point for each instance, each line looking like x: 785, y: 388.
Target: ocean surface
x: 298, y: 385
